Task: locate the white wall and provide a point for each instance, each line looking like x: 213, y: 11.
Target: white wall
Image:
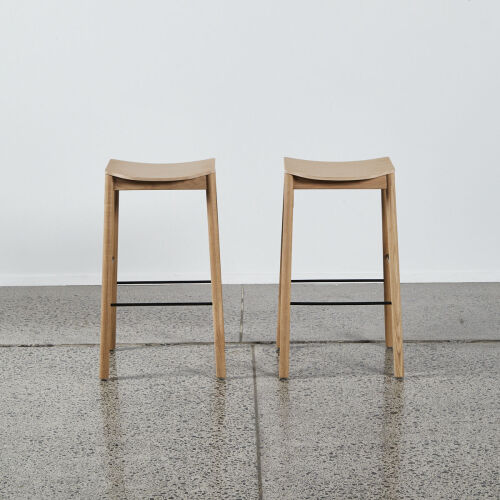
x: 248, y: 83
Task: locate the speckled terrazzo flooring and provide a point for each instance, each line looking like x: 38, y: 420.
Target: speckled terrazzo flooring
x: 164, y: 427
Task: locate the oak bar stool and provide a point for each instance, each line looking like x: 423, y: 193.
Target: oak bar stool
x: 124, y: 175
x: 367, y: 174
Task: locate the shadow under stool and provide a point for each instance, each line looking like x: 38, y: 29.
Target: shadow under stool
x: 125, y: 176
x: 368, y: 174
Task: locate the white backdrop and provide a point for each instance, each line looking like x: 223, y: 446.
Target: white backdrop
x: 248, y: 83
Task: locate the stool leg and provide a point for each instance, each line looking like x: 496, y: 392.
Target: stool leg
x: 215, y: 270
x: 115, y: 268
x: 285, y: 277
x: 107, y: 276
x: 279, y: 288
x: 387, y: 274
x: 397, y: 334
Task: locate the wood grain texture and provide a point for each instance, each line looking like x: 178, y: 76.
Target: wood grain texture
x: 376, y: 183
x: 285, y: 278
x: 397, y: 333
x: 153, y: 172
x: 280, y: 278
x: 339, y: 171
x: 387, y: 274
x: 107, y: 276
x: 215, y: 271
x: 114, y: 286
x: 199, y: 183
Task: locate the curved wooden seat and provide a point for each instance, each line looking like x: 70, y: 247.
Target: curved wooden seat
x: 339, y: 171
x: 158, y: 172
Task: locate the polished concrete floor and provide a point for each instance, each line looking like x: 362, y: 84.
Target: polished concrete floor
x: 164, y: 427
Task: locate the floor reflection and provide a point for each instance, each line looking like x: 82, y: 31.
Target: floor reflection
x: 113, y: 435
x: 286, y: 430
x: 393, y: 405
x: 218, y: 438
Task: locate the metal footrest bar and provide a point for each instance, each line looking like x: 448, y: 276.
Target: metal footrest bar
x: 364, y: 280
x: 169, y: 282
x: 383, y: 303
x: 136, y: 304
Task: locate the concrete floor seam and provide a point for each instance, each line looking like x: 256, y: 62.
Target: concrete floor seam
x: 261, y: 342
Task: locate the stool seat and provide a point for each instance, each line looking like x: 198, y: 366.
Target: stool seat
x: 152, y: 172
x: 339, y: 170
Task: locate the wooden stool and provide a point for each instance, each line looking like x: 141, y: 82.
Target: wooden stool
x: 123, y: 175
x: 368, y: 174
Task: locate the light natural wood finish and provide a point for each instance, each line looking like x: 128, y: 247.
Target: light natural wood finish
x: 114, y: 285
x: 397, y: 332
x: 387, y: 274
x: 376, y: 183
x: 281, y: 278
x: 339, y: 171
x: 200, y: 183
x: 107, y: 276
x: 286, y: 277
x: 183, y: 176
x: 383, y: 181
x: 215, y: 271
x: 160, y: 171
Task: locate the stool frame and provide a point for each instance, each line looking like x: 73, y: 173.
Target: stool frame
x: 392, y: 297
x: 113, y: 186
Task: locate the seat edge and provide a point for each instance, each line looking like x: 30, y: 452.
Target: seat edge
x: 152, y: 172
x: 339, y: 171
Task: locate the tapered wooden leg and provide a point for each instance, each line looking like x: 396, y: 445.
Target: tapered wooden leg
x: 387, y: 274
x: 285, y: 277
x: 107, y: 276
x: 215, y: 270
x: 114, y: 287
x: 279, y: 288
x: 397, y: 333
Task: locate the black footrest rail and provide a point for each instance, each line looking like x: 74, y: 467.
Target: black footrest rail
x: 383, y: 303
x: 163, y: 304
x: 169, y: 282
x: 363, y: 280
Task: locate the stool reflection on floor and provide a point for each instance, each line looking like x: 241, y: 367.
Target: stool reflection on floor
x: 121, y: 176
x: 367, y: 174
